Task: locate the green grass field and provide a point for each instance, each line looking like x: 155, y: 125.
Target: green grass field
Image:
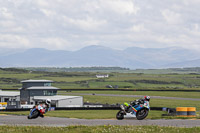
x: 170, y: 103
x: 142, y: 93
x: 97, y: 129
x: 80, y: 80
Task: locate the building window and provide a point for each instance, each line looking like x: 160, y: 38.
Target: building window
x: 47, y: 84
x: 6, y: 99
x: 49, y: 92
x: 13, y: 103
x: 32, y: 93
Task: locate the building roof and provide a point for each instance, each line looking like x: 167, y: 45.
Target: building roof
x: 9, y: 93
x: 42, y: 88
x: 36, y: 81
x: 55, y: 98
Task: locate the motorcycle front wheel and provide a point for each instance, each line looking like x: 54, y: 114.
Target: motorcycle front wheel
x: 34, y: 114
x: 141, y: 114
x: 120, y: 115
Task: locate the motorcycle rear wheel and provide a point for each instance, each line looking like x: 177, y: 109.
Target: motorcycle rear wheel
x: 120, y: 115
x: 141, y: 114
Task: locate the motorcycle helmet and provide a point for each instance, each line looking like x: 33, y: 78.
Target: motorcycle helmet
x: 147, y: 98
x: 48, y: 101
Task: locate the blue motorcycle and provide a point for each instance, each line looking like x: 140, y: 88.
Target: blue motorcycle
x: 138, y: 110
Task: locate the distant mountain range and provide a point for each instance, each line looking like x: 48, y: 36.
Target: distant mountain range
x: 133, y: 57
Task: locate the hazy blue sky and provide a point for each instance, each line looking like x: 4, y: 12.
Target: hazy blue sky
x: 73, y: 24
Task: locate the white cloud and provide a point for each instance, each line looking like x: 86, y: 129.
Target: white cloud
x: 195, y: 27
x: 7, y: 24
x: 42, y: 3
x: 121, y: 6
x: 48, y: 12
x: 5, y: 13
x: 138, y: 28
x: 55, y: 43
x: 91, y: 42
x: 171, y: 17
x: 14, y: 41
x: 72, y: 24
x: 88, y: 23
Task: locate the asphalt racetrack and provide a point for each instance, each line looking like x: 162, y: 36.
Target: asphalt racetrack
x: 62, y: 122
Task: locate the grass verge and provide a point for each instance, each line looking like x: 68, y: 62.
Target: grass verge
x: 97, y: 129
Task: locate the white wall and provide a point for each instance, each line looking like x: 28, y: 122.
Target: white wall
x: 73, y: 102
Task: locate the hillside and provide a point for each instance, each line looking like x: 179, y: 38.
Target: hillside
x: 133, y: 57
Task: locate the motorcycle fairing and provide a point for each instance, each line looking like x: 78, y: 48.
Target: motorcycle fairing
x: 139, y: 107
x: 32, y: 111
x: 134, y: 109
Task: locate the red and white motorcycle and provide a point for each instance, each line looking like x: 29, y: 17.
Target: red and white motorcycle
x: 39, y: 110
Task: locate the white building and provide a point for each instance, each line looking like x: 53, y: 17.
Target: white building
x: 62, y: 101
x: 9, y: 99
x: 6, y: 96
x: 36, y: 91
x: 102, y: 76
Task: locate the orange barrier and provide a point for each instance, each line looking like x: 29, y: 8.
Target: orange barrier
x: 191, y: 112
x: 186, y: 111
x: 181, y: 111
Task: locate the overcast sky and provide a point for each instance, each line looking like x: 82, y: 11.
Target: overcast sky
x: 73, y: 24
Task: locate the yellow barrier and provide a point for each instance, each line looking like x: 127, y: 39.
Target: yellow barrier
x: 186, y: 111
x: 3, y: 103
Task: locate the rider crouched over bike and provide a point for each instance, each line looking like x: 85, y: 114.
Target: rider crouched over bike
x: 45, y: 106
x: 141, y: 101
x: 138, y: 108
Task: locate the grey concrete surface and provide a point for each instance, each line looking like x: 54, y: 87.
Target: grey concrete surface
x: 54, y: 121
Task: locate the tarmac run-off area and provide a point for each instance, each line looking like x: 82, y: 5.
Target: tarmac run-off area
x: 62, y: 122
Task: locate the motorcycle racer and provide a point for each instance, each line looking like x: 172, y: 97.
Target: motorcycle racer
x: 45, y: 106
x: 138, y: 108
x: 140, y: 101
